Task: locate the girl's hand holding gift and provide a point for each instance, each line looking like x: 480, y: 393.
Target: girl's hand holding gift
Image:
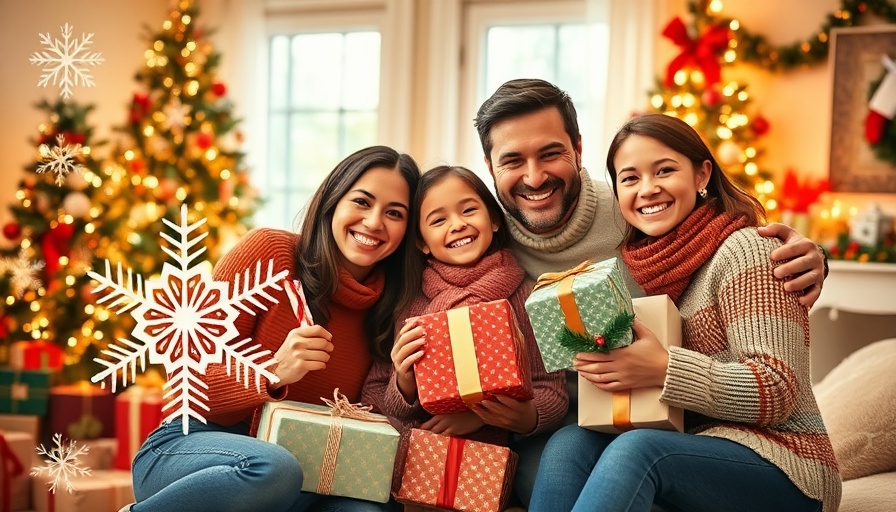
x: 305, y: 349
x: 639, y: 365
x: 406, y: 351
x: 508, y: 413
x: 458, y: 424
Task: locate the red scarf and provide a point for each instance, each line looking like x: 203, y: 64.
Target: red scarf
x: 667, y: 264
x: 493, y: 277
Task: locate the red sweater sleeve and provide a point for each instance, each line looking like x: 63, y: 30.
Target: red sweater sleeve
x: 230, y: 401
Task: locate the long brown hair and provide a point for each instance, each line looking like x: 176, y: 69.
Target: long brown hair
x: 722, y: 193
x: 317, y: 256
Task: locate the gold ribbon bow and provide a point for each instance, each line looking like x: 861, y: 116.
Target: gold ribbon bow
x: 549, y: 278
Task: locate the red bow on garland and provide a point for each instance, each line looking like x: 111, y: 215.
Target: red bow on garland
x: 703, y: 52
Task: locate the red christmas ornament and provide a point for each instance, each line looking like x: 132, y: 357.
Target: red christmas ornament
x: 599, y: 340
x: 73, y: 138
x: 12, y: 231
x: 56, y: 242
x: 204, y: 140
x: 711, y: 97
x: 219, y: 89
x: 760, y: 125
x: 139, y: 107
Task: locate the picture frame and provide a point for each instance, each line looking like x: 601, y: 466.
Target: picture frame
x: 856, y: 62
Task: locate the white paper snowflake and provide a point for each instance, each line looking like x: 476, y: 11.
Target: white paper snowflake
x: 23, y: 273
x: 61, y: 159
x: 185, y: 321
x: 62, y: 463
x: 65, y: 61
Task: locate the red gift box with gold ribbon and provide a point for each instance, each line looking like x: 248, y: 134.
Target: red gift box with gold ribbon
x: 453, y: 473
x: 472, y: 353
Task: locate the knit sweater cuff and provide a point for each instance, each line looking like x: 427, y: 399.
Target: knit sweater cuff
x: 395, y: 405
x: 687, y: 379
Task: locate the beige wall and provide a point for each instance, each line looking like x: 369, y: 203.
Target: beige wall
x: 796, y: 103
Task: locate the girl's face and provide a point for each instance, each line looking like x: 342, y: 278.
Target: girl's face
x: 454, y: 223
x: 657, y: 186
x: 370, y: 220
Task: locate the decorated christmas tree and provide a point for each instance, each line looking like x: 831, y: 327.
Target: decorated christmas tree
x: 180, y: 146
x: 696, y: 91
x: 53, y: 237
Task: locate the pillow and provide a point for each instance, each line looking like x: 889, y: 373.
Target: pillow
x: 857, y: 400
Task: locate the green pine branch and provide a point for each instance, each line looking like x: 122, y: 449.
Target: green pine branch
x: 614, y: 332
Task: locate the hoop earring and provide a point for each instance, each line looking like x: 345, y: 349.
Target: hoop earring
x: 702, y: 193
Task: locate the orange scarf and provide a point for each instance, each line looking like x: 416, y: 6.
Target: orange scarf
x: 667, y: 264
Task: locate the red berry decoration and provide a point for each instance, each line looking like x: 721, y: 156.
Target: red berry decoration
x: 599, y: 340
x: 219, y: 89
x: 760, y: 125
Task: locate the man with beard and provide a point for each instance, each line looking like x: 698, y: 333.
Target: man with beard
x: 558, y: 216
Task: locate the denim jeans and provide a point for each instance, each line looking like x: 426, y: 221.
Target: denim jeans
x: 216, y: 469
x: 582, y: 470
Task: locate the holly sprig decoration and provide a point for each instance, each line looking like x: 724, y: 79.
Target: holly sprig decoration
x: 612, y: 335
x: 755, y: 48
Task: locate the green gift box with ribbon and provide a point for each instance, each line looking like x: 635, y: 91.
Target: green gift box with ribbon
x: 24, y: 391
x: 343, y: 448
x: 585, y: 309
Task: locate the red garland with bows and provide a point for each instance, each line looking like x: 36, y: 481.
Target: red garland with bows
x: 703, y: 52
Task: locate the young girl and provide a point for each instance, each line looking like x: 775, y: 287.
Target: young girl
x: 462, y: 232
x: 754, y: 437
x: 357, y: 267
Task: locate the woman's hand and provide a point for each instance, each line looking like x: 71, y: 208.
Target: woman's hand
x: 508, y: 413
x: 458, y: 424
x: 406, y: 351
x: 305, y: 349
x: 640, y: 365
x: 804, y: 267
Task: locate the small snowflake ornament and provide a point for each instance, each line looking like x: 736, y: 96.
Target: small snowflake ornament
x: 185, y: 321
x: 176, y: 115
x: 23, y: 273
x: 62, y: 463
x: 61, y: 159
x: 65, y: 61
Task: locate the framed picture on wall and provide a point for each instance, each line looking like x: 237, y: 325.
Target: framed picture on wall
x: 863, y: 141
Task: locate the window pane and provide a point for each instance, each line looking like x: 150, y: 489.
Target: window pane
x: 361, y: 89
x: 519, y: 51
x: 316, y: 70
x: 277, y: 162
x: 314, y: 145
x: 360, y: 131
x: 279, y: 71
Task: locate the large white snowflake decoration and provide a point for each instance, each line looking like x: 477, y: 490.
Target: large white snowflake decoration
x: 176, y: 114
x: 185, y: 321
x: 61, y: 159
x: 65, y: 61
x: 23, y: 273
x: 62, y: 463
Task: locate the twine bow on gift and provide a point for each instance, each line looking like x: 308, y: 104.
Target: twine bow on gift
x: 703, y: 52
x: 340, y: 408
x: 549, y: 278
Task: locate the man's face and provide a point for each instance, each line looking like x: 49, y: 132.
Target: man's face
x: 536, y: 169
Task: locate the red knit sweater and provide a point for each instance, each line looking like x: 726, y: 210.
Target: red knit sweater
x: 229, y: 401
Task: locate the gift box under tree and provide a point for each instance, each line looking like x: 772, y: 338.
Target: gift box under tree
x: 473, y: 353
x: 453, y: 473
x: 343, y: 448
x: 24, y: 391
x: 35, y: 355
x: 620, y: 411
x: 82, y: 411
x: 16, y: 456
x: 138, y: 411
x: 101, y: 491
x: 568, y: 309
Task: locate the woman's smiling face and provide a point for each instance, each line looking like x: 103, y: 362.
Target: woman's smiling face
x: 371, y: 219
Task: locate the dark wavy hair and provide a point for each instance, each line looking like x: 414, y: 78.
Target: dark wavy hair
x: 317, y: 256
x: 722, y: 193
x: 432, y: 177
x: 520, y: 97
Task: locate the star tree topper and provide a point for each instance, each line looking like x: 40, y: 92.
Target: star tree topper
x: 185, y: 321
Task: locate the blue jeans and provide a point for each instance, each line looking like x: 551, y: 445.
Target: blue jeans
x: 217, y: 468
x: 582, y: 470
